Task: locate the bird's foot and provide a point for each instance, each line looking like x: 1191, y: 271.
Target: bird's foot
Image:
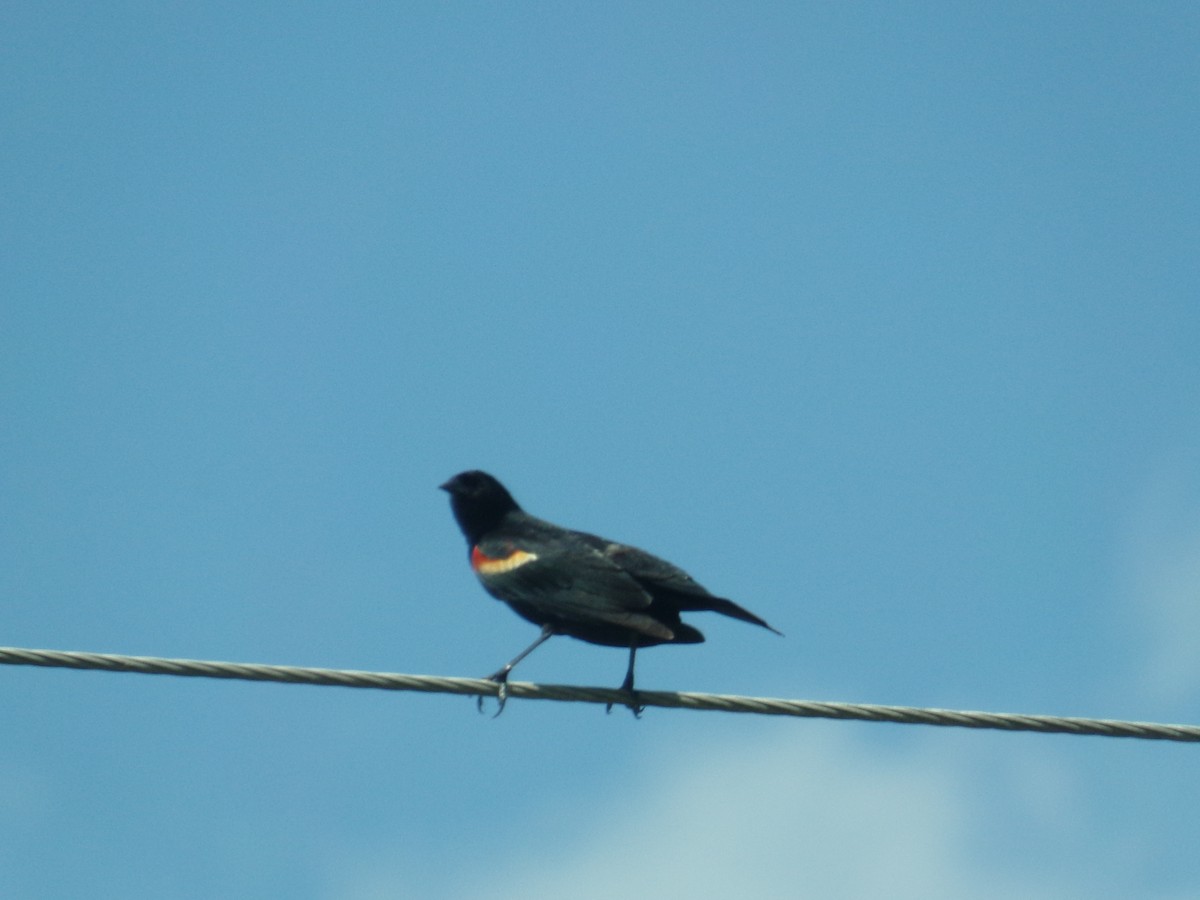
x: 501, y: 679
x: 634, y: 702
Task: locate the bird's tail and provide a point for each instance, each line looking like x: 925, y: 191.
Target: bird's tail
x: 731, y: 609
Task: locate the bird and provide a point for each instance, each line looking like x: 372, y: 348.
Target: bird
x: 574, y: 583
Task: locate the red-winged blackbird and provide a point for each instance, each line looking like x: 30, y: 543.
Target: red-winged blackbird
x: 574, y: 583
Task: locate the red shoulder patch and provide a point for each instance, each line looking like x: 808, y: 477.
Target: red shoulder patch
x: 496, y: 565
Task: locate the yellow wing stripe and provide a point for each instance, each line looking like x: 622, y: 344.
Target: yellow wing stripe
x: 487, y: 565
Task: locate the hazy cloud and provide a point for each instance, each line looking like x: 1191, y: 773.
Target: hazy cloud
x: 1163, y: 574
x: 811, y: 813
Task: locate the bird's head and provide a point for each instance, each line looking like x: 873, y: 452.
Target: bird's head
x: 479, y: 502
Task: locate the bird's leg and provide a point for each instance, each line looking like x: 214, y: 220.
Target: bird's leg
x: 627, y: 686
x: 501, y: 676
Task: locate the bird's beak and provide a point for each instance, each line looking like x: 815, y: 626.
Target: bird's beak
x: 445, y: 487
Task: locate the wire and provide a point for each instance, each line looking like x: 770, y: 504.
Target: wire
x: 389, y: 681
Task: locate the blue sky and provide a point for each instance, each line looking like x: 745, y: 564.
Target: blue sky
x: 879, y: 318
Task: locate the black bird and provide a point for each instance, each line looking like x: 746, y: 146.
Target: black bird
x: 574, y: 583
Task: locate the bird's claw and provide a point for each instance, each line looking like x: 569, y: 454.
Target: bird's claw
x: 633, y: 703
x: 501, y: 679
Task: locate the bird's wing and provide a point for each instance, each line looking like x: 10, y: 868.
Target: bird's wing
x: 562, y: 577
x: 660, y: 578
x: 651, y: 571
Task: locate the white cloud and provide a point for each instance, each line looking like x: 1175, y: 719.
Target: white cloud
x: 808, y: 812
x: 798, y: 815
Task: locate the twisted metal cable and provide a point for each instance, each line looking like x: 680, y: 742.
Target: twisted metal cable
x: 390, y: 681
